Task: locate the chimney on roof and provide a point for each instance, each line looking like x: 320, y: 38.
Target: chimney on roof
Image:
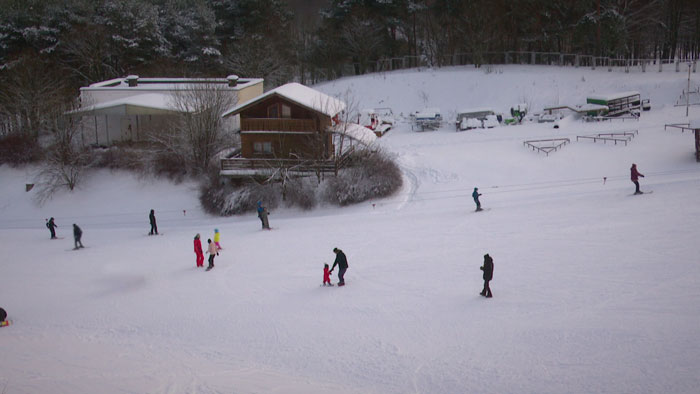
x: 132, y: 80
x: 232, y: 80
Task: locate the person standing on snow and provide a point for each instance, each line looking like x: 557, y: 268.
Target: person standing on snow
x: 634, y: 176
x: 152, y: 220
x: 198, y: 251
x: 211, y: 249
x: 488, y: 275
x: 77, y: 234
x: 52, y: 227
x: 475, y: 196
x: 262, y: 214
x: 326, y: 276
x: 217, y: 238
x: 342, y: 262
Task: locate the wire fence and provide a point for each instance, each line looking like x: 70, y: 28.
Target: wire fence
x: 385, y: 64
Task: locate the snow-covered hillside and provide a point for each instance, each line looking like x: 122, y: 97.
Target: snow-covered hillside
x: 595, y: 290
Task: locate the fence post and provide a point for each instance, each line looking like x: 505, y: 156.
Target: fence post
x: 644, y: 65
x: 695, y: 66
x: 593, y: 61
x: 609, y: 64
x: 576, y: 61
x: 627, y: 66
x: 678, y: 65
x: 533, y: 58
x: 507, y: 58
x: 661, y: 67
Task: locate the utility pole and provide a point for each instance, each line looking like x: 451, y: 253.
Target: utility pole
x: 687, y: 92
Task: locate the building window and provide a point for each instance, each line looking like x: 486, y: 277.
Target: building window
x: 273, y: 111
x: 262, y: 148
x: 286, y: 111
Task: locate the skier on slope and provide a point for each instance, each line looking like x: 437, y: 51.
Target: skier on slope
x: 198, y: 251
x: 262, y: 214
x: 342, y: 262
x: 217, y: 238
x: 488, y: 275
x: 77, y: 234
x: 634, y: 176
x: 211, y: 249
x: 326, y: 276
x: 475, y: 196
x: 152, y: 220
x: 51, y: 225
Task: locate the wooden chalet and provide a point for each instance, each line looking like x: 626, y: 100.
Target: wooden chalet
x: 286, y: 127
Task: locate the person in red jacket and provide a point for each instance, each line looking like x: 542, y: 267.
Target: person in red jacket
x: 198, y: 251
x: 634, y: 175
x: 326, y: 276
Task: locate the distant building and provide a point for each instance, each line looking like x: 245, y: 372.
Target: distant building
x: 125, y: 109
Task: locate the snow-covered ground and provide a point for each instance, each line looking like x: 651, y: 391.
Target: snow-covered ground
x: 595, y: 290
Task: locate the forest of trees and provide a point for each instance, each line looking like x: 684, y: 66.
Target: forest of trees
x: 49, y: 48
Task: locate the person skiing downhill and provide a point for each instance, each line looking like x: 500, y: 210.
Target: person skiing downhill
x: 475, y: 196
x: 342, y: 262
x: 198, y: 251
x: 634, y: 176
x: 488, y: 275
x: 77, y: 234
x: 211, y: 249
x: 52, y: 228
x: 152, y: 220
x: 262, y: 214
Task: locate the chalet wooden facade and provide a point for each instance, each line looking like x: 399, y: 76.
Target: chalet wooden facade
x: 287, y: 124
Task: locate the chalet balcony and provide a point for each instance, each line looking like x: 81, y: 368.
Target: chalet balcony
x: 277, y: 124
x: 241, y: 167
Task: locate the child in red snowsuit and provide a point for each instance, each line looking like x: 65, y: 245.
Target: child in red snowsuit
x: 326, y: 276
x: 198, y: 251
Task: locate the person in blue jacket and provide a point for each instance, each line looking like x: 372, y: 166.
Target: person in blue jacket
x: 262, y: 214
x: 476, y: 195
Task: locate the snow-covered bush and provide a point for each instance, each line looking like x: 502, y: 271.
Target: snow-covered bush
x: 301, y: 192
x: 368, y: 174
x: 221, y: 197
x: 120, y: 158
x: 371, y: 174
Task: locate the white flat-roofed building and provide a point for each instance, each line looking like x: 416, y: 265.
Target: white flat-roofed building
x: 127, y: 109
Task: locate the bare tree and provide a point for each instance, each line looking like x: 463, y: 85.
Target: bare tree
x: 66, y: 158
x: 197, y: 133
x: 30, y: 94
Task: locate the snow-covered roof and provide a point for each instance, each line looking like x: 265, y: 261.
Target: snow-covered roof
x: 612, y: 96
x: 475, y: 110
x: 357, y: 132
x: 299, y: 94
x: 168, y: 84
x: 140, y: 104
x: 428, y: 113
x: 590, y: 107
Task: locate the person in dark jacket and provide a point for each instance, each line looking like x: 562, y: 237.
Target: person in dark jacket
x: 342, y: 262
x: 488, y: 275
x: 475, y: 196
x: 152, y: 219
x: 52, y: 227
x: 77, y: 234
x: 634, y: 176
